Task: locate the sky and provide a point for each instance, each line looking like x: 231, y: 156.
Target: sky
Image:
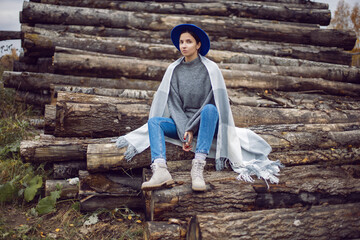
x: 9, y: 18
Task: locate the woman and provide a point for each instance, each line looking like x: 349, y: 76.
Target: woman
x: 190, y: 107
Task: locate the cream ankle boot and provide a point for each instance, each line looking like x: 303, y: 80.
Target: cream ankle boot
x: 160, y: 178
x: 198, y: 183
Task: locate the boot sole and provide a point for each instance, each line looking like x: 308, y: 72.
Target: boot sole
x: 167, y: 184
x: 199, y: 189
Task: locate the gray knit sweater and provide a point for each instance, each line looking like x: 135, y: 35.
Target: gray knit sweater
x: 190, y: 91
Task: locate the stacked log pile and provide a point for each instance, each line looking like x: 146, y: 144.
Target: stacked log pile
x: 94, y: 66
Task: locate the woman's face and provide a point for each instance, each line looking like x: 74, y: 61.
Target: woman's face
x: 188, y: 46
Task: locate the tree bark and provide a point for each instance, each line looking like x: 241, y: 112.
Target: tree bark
x: 112, y: 67
x: 258, y: 10
x: 335, y: 73
x: 102, y: 31
x: 290, y: 148
x: 109, y: 191
x: 37, y: 99
x: 49, y: 118
x: 257, y: 29
x: 319, y: 222
x: 106, y: 157
x: 109, y: 92
x: 99, y: 120
x: 38, y: 81
x: 164, y: 231
x: 87, y: 115
x: 42, y: 65
x: 68, y: 191
x: 70, y: 169
x: 303, y: 3
x: 8, y: 35
x: 144, y: 44
x: 29, y: 81
x: 40, y: 42
x: 154, y: 70
x: 245, y: 116
x: 328, y: 185
x: 332, y: 156
x: 57, y: 149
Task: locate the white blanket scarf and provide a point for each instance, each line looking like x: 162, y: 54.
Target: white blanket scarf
x: 246, y: 151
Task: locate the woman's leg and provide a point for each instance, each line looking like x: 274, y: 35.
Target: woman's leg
x: 159, y: 127
x: 209, y: 118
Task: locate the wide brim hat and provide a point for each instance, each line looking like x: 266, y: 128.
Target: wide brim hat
x: 204, y: 39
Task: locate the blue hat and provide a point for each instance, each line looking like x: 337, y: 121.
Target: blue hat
x: 204, y: 39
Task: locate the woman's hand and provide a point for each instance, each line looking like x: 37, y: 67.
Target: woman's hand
x: 187, y: 145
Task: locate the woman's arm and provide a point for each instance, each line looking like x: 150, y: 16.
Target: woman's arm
x: 176, y: 112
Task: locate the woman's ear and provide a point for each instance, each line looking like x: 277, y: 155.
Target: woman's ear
x: 198, y: 46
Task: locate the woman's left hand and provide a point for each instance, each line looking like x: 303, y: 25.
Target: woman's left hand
x: 187, y: 145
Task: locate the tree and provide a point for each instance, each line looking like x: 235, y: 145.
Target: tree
x: 341, y: 19
x: 355, y: 19
x: 348, y: 20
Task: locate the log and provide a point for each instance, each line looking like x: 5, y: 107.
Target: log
x: 257, y: 10
x: 110, y: 67
x: 38, y: 81
x: 49, y: 119
x: 241, y: 28
x: 109, y: 158
x: 98, y: 116
x: 311, y: 100
x: 237, y: 97
x: 40, y: 41
x: 319, y: 222
x: 42, y: 65
x: 106, y: 157
x: 31, y: 98
x: 29, y: 81
x: 66, y: 36
x: 79, y: 119
x: 9, y: 35
x: 109, y: 191
x: 39, y: 68
x: 110, y: 92
x: 100, y: 31
x: 332, y: 156
x: 164, y: 231
x: 56, y: 149
x: 258, y: 80
x: 291, y: 3
x: 335, y: 127
x: 68, y: 191
x: 245, y: 116
x: 299, y: 186
x: 312, y: 140
x: 154, y: 70
x: 63, y: 170
x: 334, y: 73
x: 303, y: 3
x: 285, y: 50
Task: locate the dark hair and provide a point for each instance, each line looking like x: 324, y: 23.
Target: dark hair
x: 197, y: 39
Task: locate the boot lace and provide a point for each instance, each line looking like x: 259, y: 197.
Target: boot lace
x: 153, y: 167
x: 198, y: 169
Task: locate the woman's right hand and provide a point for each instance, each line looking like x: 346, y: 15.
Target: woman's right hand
x: 187, y: 145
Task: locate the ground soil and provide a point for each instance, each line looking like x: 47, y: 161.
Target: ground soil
x: 17, y: 222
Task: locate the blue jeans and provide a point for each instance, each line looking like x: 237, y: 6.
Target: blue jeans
x: 159, y: 127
